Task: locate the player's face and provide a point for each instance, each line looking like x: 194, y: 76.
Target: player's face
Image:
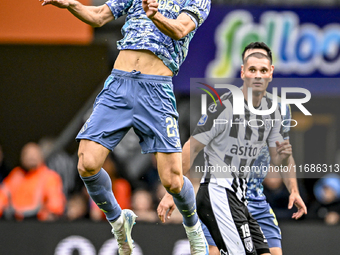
x: 257, y: 73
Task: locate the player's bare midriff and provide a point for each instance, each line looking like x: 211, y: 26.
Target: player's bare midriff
x: 141, y: 60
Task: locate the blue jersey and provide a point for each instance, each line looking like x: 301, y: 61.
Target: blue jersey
x: 258, y: 173
x: 140, y: 33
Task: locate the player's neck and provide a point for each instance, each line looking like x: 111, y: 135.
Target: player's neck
x: 256, y: 97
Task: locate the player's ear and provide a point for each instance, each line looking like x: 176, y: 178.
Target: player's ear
x: 242, y: 72
x: 271, y: 73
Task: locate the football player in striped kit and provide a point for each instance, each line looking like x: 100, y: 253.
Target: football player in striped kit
x: 232, y: 145
x: 257, y: 204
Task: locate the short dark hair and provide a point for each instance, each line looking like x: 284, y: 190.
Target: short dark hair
x: 258, y: 45
x: 256, y: 55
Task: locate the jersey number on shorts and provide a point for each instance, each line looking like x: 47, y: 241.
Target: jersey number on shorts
x: 245, y: 230
x: 171, y: 128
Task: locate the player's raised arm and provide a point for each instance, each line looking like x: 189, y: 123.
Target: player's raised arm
x: 186, y: 22
x: 174, y: 28
x: 95, y: 16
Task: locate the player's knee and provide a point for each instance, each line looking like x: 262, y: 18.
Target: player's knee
x: 173, y: 185
x: 87, y: 166
x: 175, y: 188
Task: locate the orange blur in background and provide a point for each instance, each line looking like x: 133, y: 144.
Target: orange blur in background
x: 26, y: 21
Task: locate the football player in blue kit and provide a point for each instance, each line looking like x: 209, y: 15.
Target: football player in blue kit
x: 139, y: 94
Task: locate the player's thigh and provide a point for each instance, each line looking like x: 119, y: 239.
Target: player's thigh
x: 155, y: 118
x: 205, y: 201
x: 259, y: 239
x: 91, y: 157
x: 239, y: 214
x: 265, y: 217
x: 169, y: 167
x: 223, y: 214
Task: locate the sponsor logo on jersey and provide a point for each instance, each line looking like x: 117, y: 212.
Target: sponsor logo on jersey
x: 248, y: 151
x: 168, y: 5
x: 180, y: 2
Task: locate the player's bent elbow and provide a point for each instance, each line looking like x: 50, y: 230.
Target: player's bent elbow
x: 98, y: 23
x: 178, y: 36
x: 100, y: 20
x: 178, y: 33
x: 94, y: 25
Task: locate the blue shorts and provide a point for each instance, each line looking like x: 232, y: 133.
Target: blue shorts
x: 143, y: 102
x: 264, y: 215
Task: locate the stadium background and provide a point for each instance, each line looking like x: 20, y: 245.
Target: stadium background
x: 52, y: 66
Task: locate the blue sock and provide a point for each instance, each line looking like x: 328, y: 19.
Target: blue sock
x: 185, y: 202
x: 99, y: 187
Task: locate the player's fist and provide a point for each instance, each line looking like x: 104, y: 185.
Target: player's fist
x: 57, y: 3
x: 150, y: 7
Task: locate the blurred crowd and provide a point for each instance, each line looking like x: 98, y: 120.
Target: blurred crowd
x: 46, y: 186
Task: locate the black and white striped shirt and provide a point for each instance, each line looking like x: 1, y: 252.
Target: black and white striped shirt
x: 233, y: 142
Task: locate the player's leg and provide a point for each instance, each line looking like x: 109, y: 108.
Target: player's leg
x: 275, y: 251
x: 99, y: 186
x: 170, y: 172
x: 96, y: 180
x: 213, y: 250
x: 107, y: 125
x: 156, y: 124
x: 223, y: 214
x: 273, y: 232
x: 259, y: 239
x: 265, y: 217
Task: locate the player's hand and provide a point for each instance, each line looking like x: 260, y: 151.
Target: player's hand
x: 57, y: 3
x: 167, y: 204
x: 284, y: 149
x: 150, y: 7
x: 295, y: 199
